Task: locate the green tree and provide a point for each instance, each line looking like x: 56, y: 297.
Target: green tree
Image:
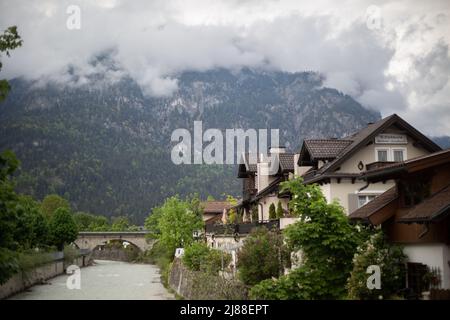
x: 90, y: 222
x: 63, y: 229
x: 179, y: 219
x: 327, y: 241
x: 51, y: 203
x: 391, y: 260
x: 120, y: 224
x: 272, y: 212
x: 262, y: 256
x: 8, y: 200
x: 31, y: 227
x: 280, y: 212
x: 9, y: 40
x: 254, y: 213
x: 151, y: 223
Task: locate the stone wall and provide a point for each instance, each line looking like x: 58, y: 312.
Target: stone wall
x: 196, y: 285
x: 24, y: 280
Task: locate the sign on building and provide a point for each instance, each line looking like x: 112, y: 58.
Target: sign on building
x: 391, y: 138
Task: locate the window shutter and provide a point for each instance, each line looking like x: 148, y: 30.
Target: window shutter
x: 352, y: 202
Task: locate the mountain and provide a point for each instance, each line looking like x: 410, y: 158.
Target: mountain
x: 443, y: 141
x: 106, y: 147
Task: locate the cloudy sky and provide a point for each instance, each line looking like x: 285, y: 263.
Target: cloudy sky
x: 392, y: 56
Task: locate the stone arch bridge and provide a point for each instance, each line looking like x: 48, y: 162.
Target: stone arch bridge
x: 90, y: 240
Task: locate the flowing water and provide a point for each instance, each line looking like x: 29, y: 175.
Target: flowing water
x: 104, y: 280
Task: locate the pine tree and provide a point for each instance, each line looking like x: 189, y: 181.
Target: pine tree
x: 272, y: 213
x: 280, y: 212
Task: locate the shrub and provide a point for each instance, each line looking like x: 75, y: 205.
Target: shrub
x: 391, y: 260
x: 262, y: 256
x: 199, y: 257
x: 280, y: 212
x: 272, y: 212
x: 195, y: 256
x: 161, y: 256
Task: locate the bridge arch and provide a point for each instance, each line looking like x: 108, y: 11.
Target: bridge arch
x: 91, y: 240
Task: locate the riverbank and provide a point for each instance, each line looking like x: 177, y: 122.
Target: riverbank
x: 104, y: 280
x: 24, y: 280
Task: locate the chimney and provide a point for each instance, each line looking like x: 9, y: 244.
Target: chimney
x: 278, y: 150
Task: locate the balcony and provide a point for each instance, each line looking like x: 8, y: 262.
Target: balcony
x: 240, y: 228
x: 378, y: 164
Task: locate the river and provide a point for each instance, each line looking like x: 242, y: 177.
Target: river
x: 104, y: 280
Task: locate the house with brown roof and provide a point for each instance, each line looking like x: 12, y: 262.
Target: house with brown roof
x: 213, y: 211
x: 336, y: 164
x: 260, y: 186
x: 415, y: 212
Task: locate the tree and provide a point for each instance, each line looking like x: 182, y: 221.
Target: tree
x: 53, y: 202
x: 9, y: 40
x: 151, y: 223
x: 63, y: 229
x: 280, y: 212
x: 391, y: 260
x: 8, y: 200
x: 179, y: 219
x: 262, y: 256
x: 89, y: 222
x: 254, y: 212
x: 120, y: 224
x: 31, y: 227
x: 272, y: 213
x: 327, y: 241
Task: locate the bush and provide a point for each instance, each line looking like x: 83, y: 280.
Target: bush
x: 272, y: 212
x: 161, y: 256
x: 390, y: 259
x: 199, y: 257
x: 262, y: 256
x: 280, y: 212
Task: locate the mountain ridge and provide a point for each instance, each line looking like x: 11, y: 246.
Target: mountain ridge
x: 105, y: 146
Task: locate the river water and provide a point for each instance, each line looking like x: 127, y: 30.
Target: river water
x: 104, y: 280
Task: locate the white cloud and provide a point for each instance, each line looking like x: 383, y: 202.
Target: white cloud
x: 402, y: 66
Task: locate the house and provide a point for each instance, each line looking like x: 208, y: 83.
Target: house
x: 261, y: 188
x: 415, y: 211
x: 335, y: 164
x: 213, y: 210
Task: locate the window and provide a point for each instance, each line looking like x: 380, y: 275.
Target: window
x: 390, y: 154
x: 398, y: 154
x: 382, y: 155
x: 363, y: 199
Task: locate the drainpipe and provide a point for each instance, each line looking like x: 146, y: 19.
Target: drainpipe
x: 424, y: 231
x: 364, y: 187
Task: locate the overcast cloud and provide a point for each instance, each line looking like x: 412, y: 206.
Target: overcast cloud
x: 389, y: 55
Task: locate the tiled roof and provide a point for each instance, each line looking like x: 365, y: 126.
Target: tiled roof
x: 286, y: 161
x: 214, y: 206
x: 432, y: 208
x: 326, y: 148
x: 376, y: 204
